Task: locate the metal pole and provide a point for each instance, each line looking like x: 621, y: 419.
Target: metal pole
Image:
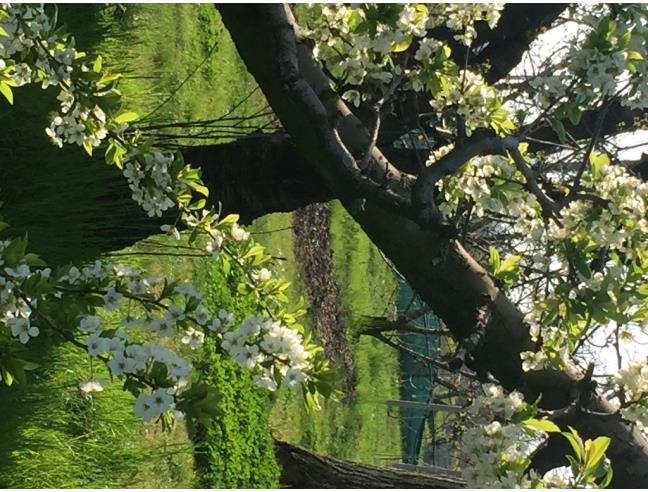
x: 430, y: 406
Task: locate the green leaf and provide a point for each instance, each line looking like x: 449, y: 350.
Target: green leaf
x: 114, y: 153
x: 193, y: 236
x: 33, y: 260
x: 15, y: 251
x: 598, y: 161
x: 559, y: 128
x: 510, y: 263
x: 106, y: 79
x: 608, y: 478
x: 5, y: 90
x: 230, y: 219
x: 227, y: 266
x: 402, y: 45
x: 198, y: 205
x: 98, y: 63
x: 7, y: 377
x: 576, y: 443
x: 595, y: 450
x: 582, y: 266
x: 625, y: 39
x: 87, y: 146
x: 17, y: 371
x: 254, y: 250
x: 574, y: 114
x: 543, y: 425
x: 198, y: 187
x: 27, y: 365
x: 493, y: 259
x: 3, y: 32
x: 126, y: 117
x: 634, y: 55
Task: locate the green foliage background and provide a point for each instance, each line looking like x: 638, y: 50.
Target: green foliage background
x: 54, y: 437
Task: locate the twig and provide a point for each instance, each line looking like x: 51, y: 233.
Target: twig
x: 549, y: 207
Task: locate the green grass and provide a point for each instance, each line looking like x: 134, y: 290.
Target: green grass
x: 237, y: 448
x: 53, y: 436
x: 360, y: 430
x: 74, y: 207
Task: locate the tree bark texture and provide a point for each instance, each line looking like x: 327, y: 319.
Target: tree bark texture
x: 257, y: 175
x: 306, y: 470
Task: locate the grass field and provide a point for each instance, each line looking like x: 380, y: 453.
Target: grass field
x: 360, y: 430
x: 52, y: 436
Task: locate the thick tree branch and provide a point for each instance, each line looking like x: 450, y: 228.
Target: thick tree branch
x: 519, y: 25
x: 318, y: 116
x: 257, y: 175
x: 445, y: 276
x: 549, y: 207
x: 306, y: 470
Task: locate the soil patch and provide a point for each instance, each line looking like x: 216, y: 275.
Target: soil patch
x: 313, y: 252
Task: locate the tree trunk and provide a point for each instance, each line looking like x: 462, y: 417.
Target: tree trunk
x: 305, y: 470
x: 457, y: 288
x: 258, y: 175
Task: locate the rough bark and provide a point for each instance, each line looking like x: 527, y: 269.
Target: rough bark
x: 306, y: 470
x: 258, y: 175
x: 438, y: 268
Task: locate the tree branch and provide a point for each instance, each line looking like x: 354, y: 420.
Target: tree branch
x: 482, y: 142
x: 442, y: 272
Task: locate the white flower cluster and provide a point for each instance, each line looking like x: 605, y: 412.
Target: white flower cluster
x: 632, y: 383
x: 621, y: 229
x: 258, y: 341
x: 637, y: 414
x: 485, y: 181
x: 360, y: 50
x: 625, y: 220
x: 608, y: 57
x: 498, y: 452
x: 357, y: 55
x: 633, y: 379
x: 91, y: 386
x: 22, y: 24
x: 80, y: 125
x: 29, y: 31
x: 472, y: 98
x: 615, y: 223
x: 15, y: 309
x: 152, y: 405
x: 150, y: 181
x: 600, y: 72
x: 498, y: 404
x: 461, y: 18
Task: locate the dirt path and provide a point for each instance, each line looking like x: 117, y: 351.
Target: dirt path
x: 314, y: 254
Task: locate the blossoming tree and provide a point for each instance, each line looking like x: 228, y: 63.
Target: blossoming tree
x: 480, y: 157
